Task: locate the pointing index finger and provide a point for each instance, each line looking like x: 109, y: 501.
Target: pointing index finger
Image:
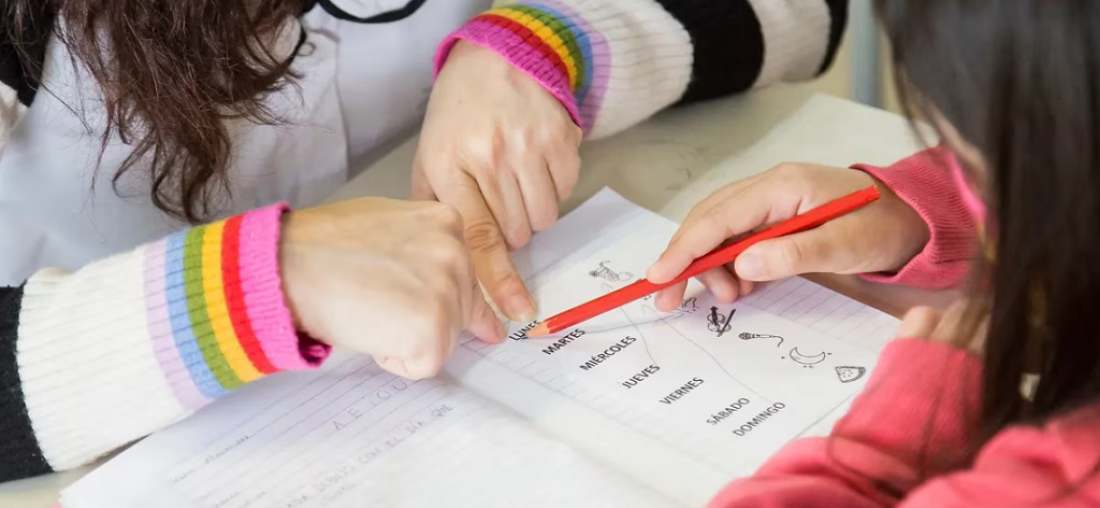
x: 488, y: 249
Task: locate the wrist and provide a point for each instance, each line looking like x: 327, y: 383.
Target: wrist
x: 913, y: 232
x: 923, y: 184
x: 285, y: 266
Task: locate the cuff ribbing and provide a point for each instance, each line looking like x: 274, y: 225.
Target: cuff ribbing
x: 539, y: 45
x: 923, y: 181
x: 263, y: 295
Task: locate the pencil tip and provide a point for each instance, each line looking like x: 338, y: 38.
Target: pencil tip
x: 539, y: 330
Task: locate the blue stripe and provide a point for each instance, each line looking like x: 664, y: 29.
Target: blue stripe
x: 583, y: 43
x: 180, y: 316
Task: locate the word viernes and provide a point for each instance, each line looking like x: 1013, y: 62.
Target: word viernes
x: 681, y: 391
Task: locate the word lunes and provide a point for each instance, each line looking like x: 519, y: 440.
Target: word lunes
x: 521, y: 334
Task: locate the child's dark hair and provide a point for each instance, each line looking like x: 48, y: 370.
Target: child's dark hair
x: 1020, y: 81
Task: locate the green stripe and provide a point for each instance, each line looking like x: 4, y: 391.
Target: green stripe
x: 196, y: 306
x: 564, y: 32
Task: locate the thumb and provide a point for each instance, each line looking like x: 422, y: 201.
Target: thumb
x: 779, y: 258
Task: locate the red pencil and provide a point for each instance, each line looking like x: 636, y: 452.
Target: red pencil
x: 718, y: 257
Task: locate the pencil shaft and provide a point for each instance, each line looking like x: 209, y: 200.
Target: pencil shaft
x: 716, y: 258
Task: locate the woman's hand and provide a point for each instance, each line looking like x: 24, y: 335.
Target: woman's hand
x: 958, y: 326
x: 388, y: 278
x: 883, y: 236
x: 503, y: 151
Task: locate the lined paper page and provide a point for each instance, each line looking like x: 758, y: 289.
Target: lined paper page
x: 354, y: 436
x: 686, y: 388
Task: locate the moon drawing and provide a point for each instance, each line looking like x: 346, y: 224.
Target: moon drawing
x: 806, y: 361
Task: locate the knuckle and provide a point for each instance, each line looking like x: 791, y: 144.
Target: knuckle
x: 518, y: 235
x: 791, y: 172
x: 483, y: 236
x: 451, y: 252
x: 447, y: 216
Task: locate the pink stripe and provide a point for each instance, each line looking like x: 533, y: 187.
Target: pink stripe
x: 601, y: 64
x: 263, y: 294
x: 160, y: 330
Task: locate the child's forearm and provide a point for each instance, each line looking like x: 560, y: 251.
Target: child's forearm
x: 924, y: 182
x: 95, y: 359
x: 613, y: 63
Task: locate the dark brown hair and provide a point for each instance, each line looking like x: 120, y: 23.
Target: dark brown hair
x: 171, y: 72
x: 1020, y: 80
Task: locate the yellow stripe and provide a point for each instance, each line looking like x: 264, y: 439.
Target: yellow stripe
x: 548, y: 35
x: 218, y: 310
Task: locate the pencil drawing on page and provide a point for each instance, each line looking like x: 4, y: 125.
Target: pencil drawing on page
x: 718, y: 323
x: 606, y: 273
x: 761, y: 336
x: 807, y: 361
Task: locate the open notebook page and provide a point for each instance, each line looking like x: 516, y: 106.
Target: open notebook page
x: 354, y: 436
x: 353, y: 432
x: 723, y: 385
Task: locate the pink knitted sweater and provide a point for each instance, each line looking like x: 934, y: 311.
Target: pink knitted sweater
x: 907, y: 440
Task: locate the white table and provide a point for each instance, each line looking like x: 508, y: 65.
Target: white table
x: 667, y: 165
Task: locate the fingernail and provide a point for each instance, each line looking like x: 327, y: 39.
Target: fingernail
x: 750, y: 266
x: 521, y: 309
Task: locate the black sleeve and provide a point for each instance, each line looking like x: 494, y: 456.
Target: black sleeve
x: 20, y: 454
x: 730, y: 46
x: 31, y: 23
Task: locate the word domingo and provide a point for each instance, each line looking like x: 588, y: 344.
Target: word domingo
x: 608, y: 353
x: 641, y: 376
x: 562, y: 342
x: 727, y: 411
x: 521, y: 334
x: 764, y: 415
x: 681, y: 391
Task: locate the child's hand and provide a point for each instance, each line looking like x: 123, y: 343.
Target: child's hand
x: 954, y: 326
x: 388, y: 278
x: 883, y: 236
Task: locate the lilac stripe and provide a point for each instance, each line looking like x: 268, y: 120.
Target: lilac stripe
x: 601, y: 60
x: 160, y: 331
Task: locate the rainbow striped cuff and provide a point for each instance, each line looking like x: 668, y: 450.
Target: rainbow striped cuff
x: 216, y: 311
x: 551, y: 43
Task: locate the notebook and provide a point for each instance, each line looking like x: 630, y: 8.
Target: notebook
x: 637, y: 408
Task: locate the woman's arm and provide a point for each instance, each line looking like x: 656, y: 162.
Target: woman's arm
x: 614, y: 63
x: 95, y: 359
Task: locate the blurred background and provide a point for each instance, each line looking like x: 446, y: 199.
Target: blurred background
x: 862, y: 70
